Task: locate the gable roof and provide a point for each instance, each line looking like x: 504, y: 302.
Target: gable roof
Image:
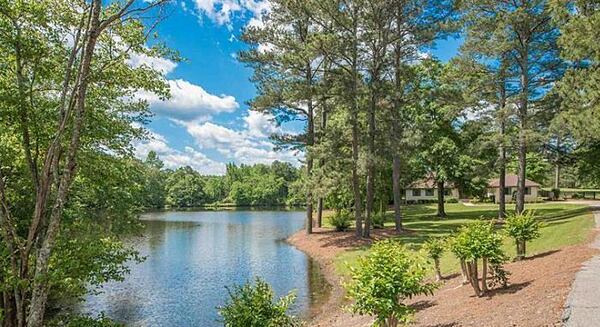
x: 428, y: 184
x: 511, y: 180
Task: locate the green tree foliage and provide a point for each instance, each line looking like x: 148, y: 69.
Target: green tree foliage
x: 67, y: 93
x: 435, y: 248
x: 253, y: 305
x: 384, y: 279
x: 522, y: 228
x: 184, y: 188
x: 538, y: 167
x: 521, y: 37
x: 245, y: 185
x: 579, y: 90
x: 154, y: 182
x: 474, y: 242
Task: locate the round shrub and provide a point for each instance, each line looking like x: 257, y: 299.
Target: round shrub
x: 253, y: 305
x: 341, y: 220
x: 384, y: 279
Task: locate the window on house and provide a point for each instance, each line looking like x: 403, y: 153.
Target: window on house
x: 507, y: 191
x: 416, y: 192
x: 429, y: 192
x: 528, y: 190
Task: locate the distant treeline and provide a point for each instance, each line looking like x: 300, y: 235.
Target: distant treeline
x: 277, y: 184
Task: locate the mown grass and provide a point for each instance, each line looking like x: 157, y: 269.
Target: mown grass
x: 564, y: 225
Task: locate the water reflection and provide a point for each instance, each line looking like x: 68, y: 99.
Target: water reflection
x: 192, y: 256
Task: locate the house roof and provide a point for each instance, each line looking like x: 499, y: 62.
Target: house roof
x: 511, y: 181
x: 428, y: 184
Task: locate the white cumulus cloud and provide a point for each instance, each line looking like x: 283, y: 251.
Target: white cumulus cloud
x: 162, y: 65
x: 189, y: 102
x: 223, y: 11
x: 248, y: 145
x: 174, y: 159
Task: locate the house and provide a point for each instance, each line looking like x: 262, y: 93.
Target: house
x: 510, y: 191
x: 426, y: 191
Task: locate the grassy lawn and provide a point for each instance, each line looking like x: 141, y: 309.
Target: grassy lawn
x: 564, y: 224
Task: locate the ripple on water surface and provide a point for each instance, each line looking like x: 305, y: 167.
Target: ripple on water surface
x: 192, y: 256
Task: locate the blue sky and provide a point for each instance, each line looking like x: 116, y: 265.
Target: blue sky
x: 206, y: 123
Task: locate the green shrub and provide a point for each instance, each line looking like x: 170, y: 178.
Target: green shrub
x: 341, y: 220
x: 478, y: 241
x: 435, y: 247
x: 384, y: 279
x: 379, y: 219
x: 252, y: 305
x: 522, y: 228
x: 451, y: 200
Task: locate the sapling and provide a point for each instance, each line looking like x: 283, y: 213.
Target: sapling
x: 522, y: 228
x: 474, y: 242
x: 435, y: 247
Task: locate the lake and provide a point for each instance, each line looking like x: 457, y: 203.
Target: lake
x: 192, y: 256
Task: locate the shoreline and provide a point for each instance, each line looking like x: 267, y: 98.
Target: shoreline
x: 537, y: 292
x: 316, y: 246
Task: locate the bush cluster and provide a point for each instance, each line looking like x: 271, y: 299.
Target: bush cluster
x: 384, y: 279
x: 253, y: 305
x: 341, y: 220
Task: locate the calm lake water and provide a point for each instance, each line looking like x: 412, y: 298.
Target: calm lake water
x: 192, y: 256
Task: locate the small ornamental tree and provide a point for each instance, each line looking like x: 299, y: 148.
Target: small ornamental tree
x: 474, y: 242
x: 252, y: 305
x: 435, y: 247
x: 522, y: 228
x: 384, y: 279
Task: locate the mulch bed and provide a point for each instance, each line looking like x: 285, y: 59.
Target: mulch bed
x: 535, y: 296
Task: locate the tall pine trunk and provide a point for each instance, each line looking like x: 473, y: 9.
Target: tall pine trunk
x: 502, y: 148
x: 557, y: 164
x: 354, y: 122
x: 524, y: 102
x: 396, y: 129
x: 324, y: 110
x: 441, y: 211
x: 310, y: 133
x: 370, y: 165
x: 396, y: 191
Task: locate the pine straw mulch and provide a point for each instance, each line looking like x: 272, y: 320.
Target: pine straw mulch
x: 535, y: 296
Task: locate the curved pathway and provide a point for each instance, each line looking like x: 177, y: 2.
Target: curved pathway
x: 583, y: 304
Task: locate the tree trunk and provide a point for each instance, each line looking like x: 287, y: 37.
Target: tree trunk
x: 520, y: 250
x: 474, y: 276
x: 484, y: 272
x: 355, y: 139
x: 441, y: 212
x: 464, y: 272
x: 39, y: 293
x: 438, y: 272
x: 310, y: 141
x: 324, y: 111
x: 370, y: 162
x: 502, y: 148
x: 524, y: 101
x: 396, y: 191
x: 320, y: 212
x: 557, y: 164
x: 396, y: 131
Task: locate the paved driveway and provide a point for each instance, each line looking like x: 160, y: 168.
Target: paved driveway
x: 583, y: 304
